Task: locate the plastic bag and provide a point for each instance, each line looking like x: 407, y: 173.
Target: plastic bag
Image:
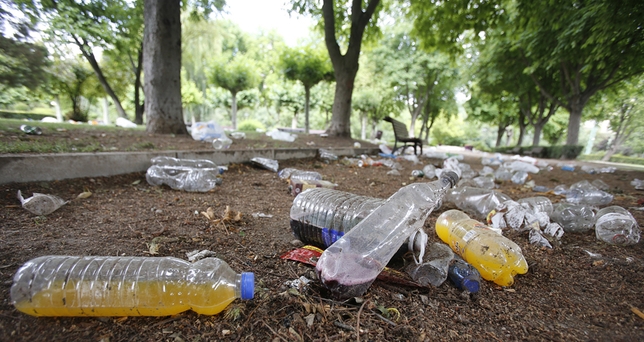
x: 206, y: 131
x: 41, y: 204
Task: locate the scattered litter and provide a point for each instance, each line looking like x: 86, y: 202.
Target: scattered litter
x: 194, y: 175
x: 198, y: 255
x: 327, y: 155
x: 638, y: 184
x: 261, y: 215
x: 537, y: 239
x: 268, y: 164
x: 301, y: 283
x: 238, y: 135
x: 222, y: 142
x: 32, y: 130
x: 593, y: 255
x: 298, y: 185
x: 206, y: 131
x: 281, y: 135
x: 356, y: 145
x: 125, y: 123
x: 41, y: 204
x: 393, y: 172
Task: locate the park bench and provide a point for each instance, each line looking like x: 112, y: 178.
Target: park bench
x: 402, y: 135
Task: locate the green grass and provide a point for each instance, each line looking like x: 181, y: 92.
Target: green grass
x: 13, y: 125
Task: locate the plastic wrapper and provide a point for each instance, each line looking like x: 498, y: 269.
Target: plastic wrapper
x: 41, y: 204
x: 206, y: 131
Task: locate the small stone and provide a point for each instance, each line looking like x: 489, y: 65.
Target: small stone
x: 297, y: 243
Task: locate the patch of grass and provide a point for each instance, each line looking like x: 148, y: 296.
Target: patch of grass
x: 13, y: 125
x: 141, y: 146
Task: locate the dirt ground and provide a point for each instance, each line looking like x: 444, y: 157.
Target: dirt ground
x: 569, y: 294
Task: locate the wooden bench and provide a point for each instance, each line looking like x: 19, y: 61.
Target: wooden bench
x: 402, y: 135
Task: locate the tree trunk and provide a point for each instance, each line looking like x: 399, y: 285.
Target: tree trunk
x: 538, y: 127
x: 307, y: 105
x: 294, y: 120
x: 574, y: 122
x: 89, y: 55
x: 162, y: 67
x: 499, y: 135
x: 363, y: 129
x: 233, y: 111
x: 138, y: 108
x: 345, y: 66
x: 522, y: 127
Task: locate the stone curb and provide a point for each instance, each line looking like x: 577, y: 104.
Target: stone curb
x: 20, y: 168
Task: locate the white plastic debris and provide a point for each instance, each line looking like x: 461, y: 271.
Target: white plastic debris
x: 299, y: 283
x: 125, y: 123
x: 41, y: 204
x: 262, y: 215
x: 280, y: 135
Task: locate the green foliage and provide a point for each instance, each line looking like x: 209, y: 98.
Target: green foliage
x: 235, y: 75
x: 22, y: 63
x: 13, y: 114
x: 251, y: 125
x: 306, y: 64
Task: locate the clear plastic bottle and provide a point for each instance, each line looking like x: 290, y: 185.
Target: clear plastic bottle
x: 417, y: 173
x: 291, y: 173
x: 434, y: 270
x: 349, y: 266
x: 464, y: 276
x: 476, y: 201
x: 588, y: 196
x: 126, y: 286
x: 320, y: 216
x: 519, y: 177
x: 496, y: 257
x: 429, y: 171
x: 222, y: 142
x: 616, y: 226
x: 573, y: 218
x: 195, y: 175
x: 537, y: 204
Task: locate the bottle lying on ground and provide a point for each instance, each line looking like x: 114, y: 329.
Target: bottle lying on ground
x: 496, y: 257
x: 126, y: 286
x: 350, y: 265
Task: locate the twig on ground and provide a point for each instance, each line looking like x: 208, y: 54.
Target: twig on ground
x: 358, y: 319
x: 275, y: 333
x: 343, y: 326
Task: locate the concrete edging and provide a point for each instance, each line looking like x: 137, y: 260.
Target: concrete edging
x: 20, y: 168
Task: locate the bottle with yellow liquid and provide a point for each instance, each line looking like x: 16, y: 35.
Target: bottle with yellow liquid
x: 126, y: 286
x: 497, y: 258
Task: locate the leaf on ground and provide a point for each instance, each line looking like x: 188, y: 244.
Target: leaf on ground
x: 84, y: 194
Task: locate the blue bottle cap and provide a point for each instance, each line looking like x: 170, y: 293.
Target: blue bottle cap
x: 247, y: 285
x: 470, y: 285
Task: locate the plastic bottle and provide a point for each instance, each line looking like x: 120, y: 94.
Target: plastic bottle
x: 464, y: 276
x: 616, y: 226
x: 519, y: 177
x: 196, y: 175
x: 429, y: 171
x: 126, y: 286
x: 417, y: 173
x: 222, y: 142
x: 573, y: 218
x: 349, y: 266
x: 496, y: 257
x: 476, y: 201
x: 291, y: 173
x: 434, y: 270
x: 588, y: 196
x: 537, y: 204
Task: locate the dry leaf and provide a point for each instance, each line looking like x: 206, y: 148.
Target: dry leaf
x: 84, y: 194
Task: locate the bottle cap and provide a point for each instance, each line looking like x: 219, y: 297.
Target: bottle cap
x: 471, y: 285
x: 247, y: 285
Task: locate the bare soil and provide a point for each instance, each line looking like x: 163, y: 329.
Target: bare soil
x: 567, y: 295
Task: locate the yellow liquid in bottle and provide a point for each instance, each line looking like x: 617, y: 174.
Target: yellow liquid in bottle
x: 145, y: 298
x: 496, y: 257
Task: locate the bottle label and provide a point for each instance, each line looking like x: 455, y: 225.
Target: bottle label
x: 469, y: 236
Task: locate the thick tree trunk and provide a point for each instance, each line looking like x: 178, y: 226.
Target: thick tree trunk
x: 499, y: 135
x: 537, y: 134
x: 162, y: 67
x: 574, y: 122
x: 307, y: 106
x: 294, y: 120
x: 341, y: 114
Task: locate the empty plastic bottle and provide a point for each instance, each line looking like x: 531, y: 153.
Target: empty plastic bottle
x: 429, y: 171
x: 519, y: 177
x: 196, y: 175
x: 616, y: 226
x: 476, y: 201
x: 434, y: 270
x: 537, y: 204
x: 464, y: 276
x: 573, y: 218
x: 590, y: 196
x: 349, y: 266
x: 320, y: 216
x: 126, y: 286
x: 291, y: 173
x: 222, y: 142
x: 417, y: 173
x: 496, y: 257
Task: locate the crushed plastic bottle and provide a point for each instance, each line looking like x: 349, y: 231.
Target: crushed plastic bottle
x: 496, y: 257
x: 429, y: 171
x: 588, y: 196
x: 293, y: 174
x: 327, y: 155
x: 561, y: 189
x: 638, y: 184
x: 484, y: 182
x: 195, y: 175
x: 463, y: 275
x: 434, y: 270
x: 616, y: 226
x: 537, y: 204
x: 519, y: 177
x: 417, y: 173
x: 573, y: 218
x: 32, y: 130
x: 222, y: 142
x: 502, y: 174
x: 126, y: 286
x: 266, y: 163
x: 349, y: 266
x: 476, y: 201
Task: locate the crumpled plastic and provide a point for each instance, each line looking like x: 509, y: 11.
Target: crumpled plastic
x: 41, y: 204
x: 268, y: 164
